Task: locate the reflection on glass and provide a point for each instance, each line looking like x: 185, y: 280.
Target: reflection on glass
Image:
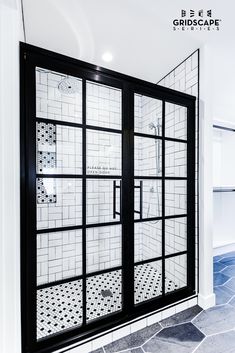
x: 103, y: 153
x: 103, y: 105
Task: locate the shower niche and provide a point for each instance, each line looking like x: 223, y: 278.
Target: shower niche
x: 107, y: 206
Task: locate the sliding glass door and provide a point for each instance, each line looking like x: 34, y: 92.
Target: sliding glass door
x: 107, y: 199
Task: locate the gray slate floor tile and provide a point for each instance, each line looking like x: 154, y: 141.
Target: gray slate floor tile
x: 217, y: 267
x: 184, y: 316
x: 228, y: 261
x: 223, y: 295
x: 231, y: 284
x: 216, y: 319
x: 217, y: 258
x: 133, y: 340
x: 134, y: 350
x: 182, y: 338
x: 220, y: 278
x: 229, y: 271
x: 222, y: 343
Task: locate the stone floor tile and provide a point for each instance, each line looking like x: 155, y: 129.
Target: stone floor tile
x: 217, y: 266
x: 220, y: 279
x: 229, y: 271
x: 133, y: 340
x: 184, y: 316
x: 222, y: 343
x: 216, y: 319
x: 223, y: 295
x: 182, y: 338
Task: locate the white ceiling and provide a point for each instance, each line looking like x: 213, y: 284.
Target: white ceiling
x: 137, y: 32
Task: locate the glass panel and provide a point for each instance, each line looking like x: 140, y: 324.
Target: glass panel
x: 148, y: 198
x: 59, y: 202
x: 175, y: 235
x: 58, y: 96
x: 148, y: 240
x: 59, y: 308
x: 175, y: 159
x: 148, y: 281
x: 103, y: 200
x: 104, y: 106
x: 175, y: 197
x: 104, y: 247
x: 176, y: 273
x: 59, y: 255
x: 104, y: 294
x: 103, y: 153
x: 176, y: 121
x: 59, y: 149
x: 148, y: 115
x: 148, y: 156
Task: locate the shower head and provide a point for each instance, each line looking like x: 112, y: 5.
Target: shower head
x: 69, y: 86
x: 155, y: 125
x: 152, y: 126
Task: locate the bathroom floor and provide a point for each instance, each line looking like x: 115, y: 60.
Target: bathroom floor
x: 194, y: 329
x: 60, y: 307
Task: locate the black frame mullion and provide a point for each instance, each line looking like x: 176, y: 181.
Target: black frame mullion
x: 128, y: 198
x: 163, y: 197
x: 31, y: 58
x: 191, y: 198
x: 84, y: 191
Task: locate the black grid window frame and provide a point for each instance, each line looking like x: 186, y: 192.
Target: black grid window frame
x: 32, y: 57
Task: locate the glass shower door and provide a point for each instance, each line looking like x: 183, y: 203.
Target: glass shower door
x: 160, y: 233
x: 78, y: 200
x: 103, y: 201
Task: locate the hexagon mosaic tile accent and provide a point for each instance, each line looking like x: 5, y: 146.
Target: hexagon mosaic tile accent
x: 193, y: 330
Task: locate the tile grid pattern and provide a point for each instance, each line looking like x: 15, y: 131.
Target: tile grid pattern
x: 193, y: 330
x: 184, y: 78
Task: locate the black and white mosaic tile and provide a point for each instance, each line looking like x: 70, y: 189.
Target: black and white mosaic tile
x: 45, y: 161
x: 46, y: 134
x: 42, y: 193
x: 60, y: 307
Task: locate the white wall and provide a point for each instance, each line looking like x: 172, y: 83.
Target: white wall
x: 10, y: 34
x: 222, y: 78
x: 224, y: 202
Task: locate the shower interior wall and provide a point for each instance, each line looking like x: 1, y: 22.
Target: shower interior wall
x: 185, y: 78
x: 59, y: 254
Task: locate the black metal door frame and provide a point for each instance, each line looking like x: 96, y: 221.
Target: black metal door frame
x: 31, y: 57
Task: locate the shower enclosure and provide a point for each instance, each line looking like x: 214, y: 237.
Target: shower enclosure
x: 107, y: 198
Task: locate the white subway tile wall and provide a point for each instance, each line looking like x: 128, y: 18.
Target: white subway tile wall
x: 148, y: 240
x: 145, y: 156
x: 176, y: 272
x: 175, y: 159
x: 104, y: 248
x: 175, y: 235
x: 183, y: 78
x: 100, y: 194
x: 103, y: 106
x: 175, y: 121
x: 152, y: 198
x: 104, y: 151
x: 59, y: 255
x: 67, y: 210
x: 147, y: 111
